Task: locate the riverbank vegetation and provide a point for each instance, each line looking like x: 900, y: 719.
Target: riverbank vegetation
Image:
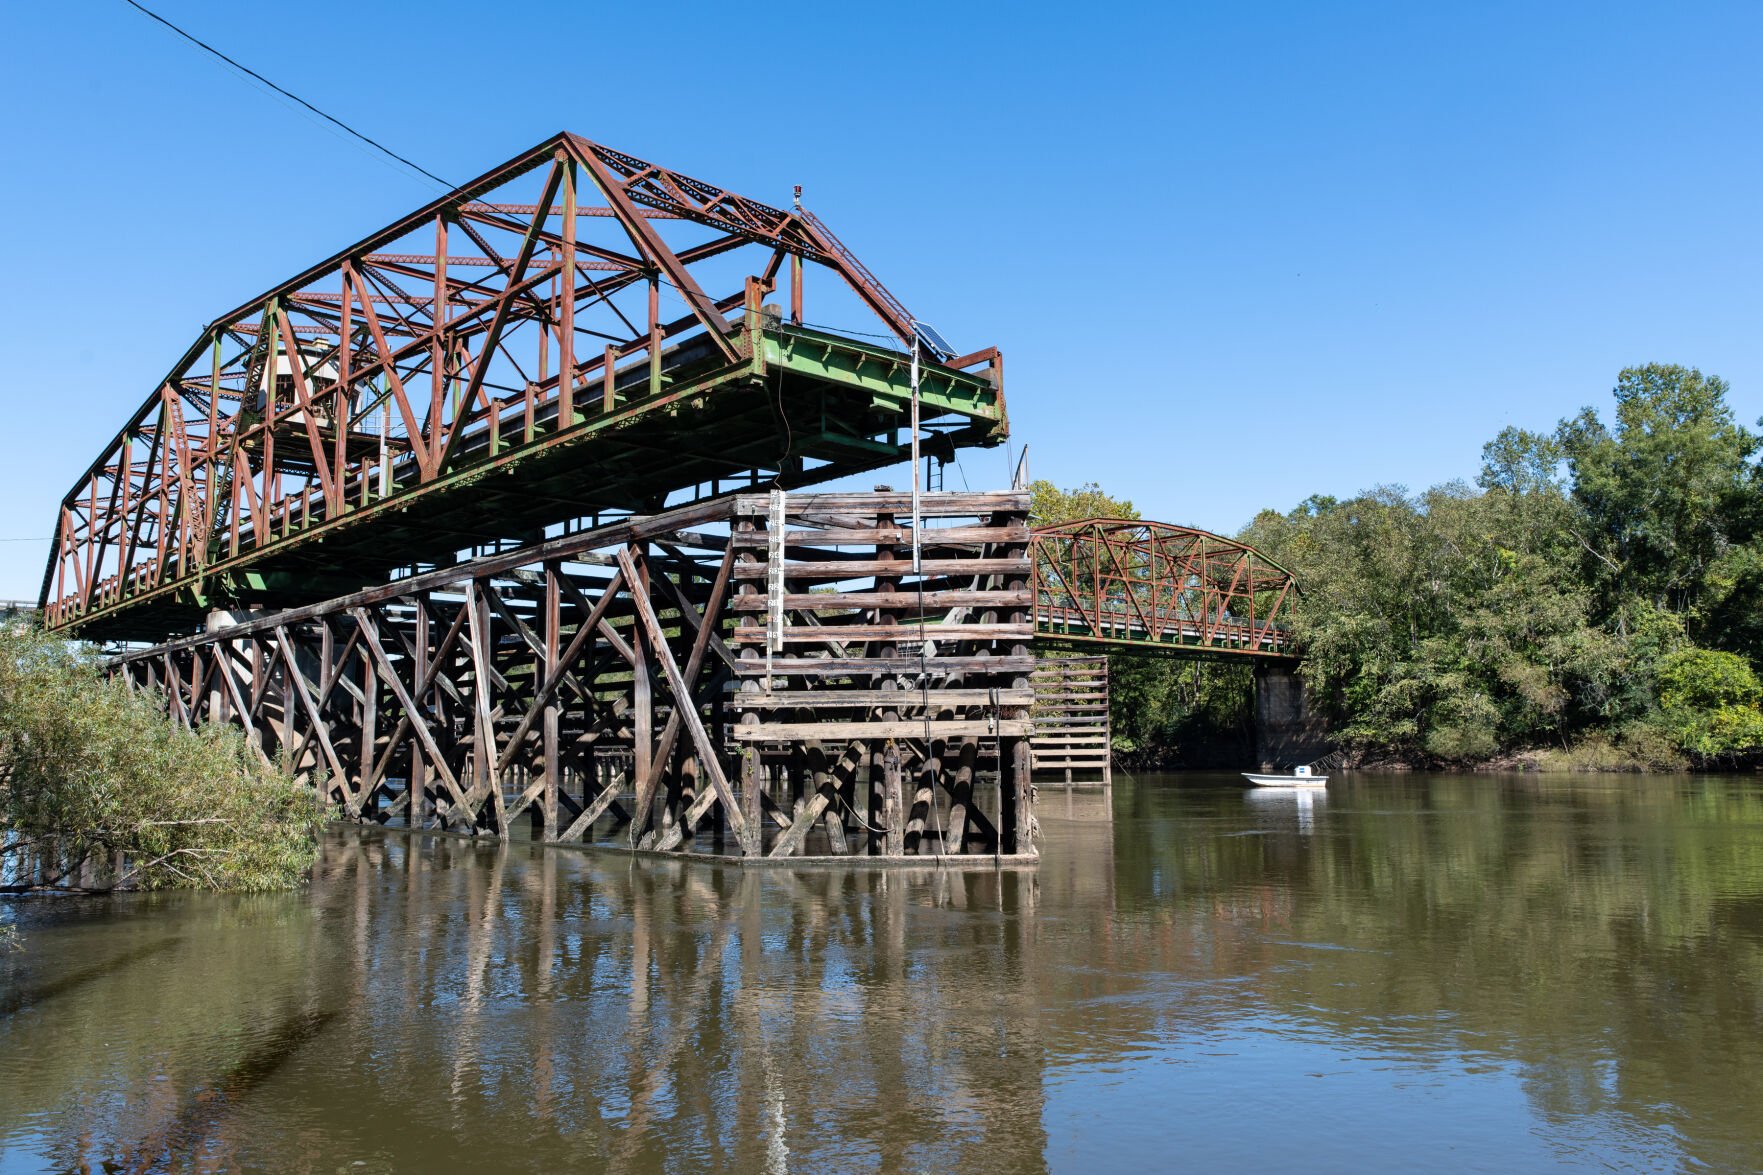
x: 1593, y: 601
x: 99, y: 790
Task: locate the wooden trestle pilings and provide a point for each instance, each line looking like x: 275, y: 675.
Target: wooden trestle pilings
x: 1073, y: 740
x: 697, y: 681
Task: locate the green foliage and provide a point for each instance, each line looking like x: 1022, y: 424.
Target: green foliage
x: 1658, y: 492
x: 1048, y: 504
x: 1447, y: 626
x: 1555, y: 606
x: 1710, y: 700
x: 1634, y: 746
x: 93, y: 775
x: 1520, y: 462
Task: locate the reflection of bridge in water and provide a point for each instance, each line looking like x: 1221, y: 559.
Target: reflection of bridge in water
x: 432, y: 1002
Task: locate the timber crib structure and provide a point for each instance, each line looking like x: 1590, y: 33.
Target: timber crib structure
x: 762, y: 677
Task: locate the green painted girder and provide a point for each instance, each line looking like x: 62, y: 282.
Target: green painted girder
x: 885, y: 373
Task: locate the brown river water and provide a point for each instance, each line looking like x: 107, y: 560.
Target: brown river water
x: 1442, y: 973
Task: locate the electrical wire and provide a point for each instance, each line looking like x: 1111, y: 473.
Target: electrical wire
x: 789, y: 432
x: 391, y: 154
x: 330, y: 118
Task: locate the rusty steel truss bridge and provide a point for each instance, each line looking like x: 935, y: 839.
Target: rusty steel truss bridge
x: 506, y: 511
x: 574, y: 336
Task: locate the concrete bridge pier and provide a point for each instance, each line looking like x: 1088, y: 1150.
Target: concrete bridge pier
x: 1288, y: 729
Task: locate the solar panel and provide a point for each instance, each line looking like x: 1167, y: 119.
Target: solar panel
x: 930, y: 340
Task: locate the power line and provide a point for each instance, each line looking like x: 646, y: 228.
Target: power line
x: 245, y: 69
x: 381, y: 147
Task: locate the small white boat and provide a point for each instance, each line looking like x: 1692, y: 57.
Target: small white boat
x: 1300, y: 777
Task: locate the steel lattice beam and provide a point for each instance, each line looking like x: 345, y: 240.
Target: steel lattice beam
x: 503, y: 360
x: 1152, y: 585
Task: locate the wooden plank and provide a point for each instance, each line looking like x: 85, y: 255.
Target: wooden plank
x: 319, y: 727
x: 793, y: 836
x: 224, y: 660
x: 427, y: 670
x: 840, y: 666
x: 943, y: 503
x: 694, y: 665
x: 821, y: 601
x: 827, y: 698
x: 483, y: 751
x: 853, y: 568
x: 766, y: 732
x: 438, y: 761
x: 558, y: 669
x: 683, y: 702
x: 929, y: 537
x: 841, y: 633
x: 593, y: 811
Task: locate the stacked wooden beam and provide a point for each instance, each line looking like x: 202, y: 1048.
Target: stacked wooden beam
x: 586, y: 684
x: 888, y: 713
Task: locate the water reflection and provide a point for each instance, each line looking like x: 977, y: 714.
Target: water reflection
x: 1498, y: 973
x: 1295, y: 805
x: 433, y: 999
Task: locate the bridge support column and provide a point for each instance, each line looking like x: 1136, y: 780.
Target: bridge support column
x: 1288, y: 730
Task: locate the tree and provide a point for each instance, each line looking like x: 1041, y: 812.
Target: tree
x: 1049, y: 505
x: 1448, y: 626
x: 1659, y: 490
x: 100, y: 790
x: 1520, y: 462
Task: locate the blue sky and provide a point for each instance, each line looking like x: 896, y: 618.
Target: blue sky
x: 1234, y: 254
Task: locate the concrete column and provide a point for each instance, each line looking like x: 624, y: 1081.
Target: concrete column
x: 1288, y: 731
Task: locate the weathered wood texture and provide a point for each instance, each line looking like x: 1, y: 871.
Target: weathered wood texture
x: 628, y: 684
x: 1072, y: 739
x: 878, y: 675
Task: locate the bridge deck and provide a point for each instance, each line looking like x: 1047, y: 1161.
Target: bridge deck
x: 1133, y: 585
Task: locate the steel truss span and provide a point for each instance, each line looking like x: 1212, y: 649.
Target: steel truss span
x: 695, y: 681
x: 1154, y: 586
x: 573, y: 336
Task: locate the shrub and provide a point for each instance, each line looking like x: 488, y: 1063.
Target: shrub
x: 100, y: 790
x: 1709, y: 700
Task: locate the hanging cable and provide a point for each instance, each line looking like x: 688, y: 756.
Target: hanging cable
x: 245, y: 69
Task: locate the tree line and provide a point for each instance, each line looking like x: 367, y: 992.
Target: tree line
x: 1593, y: 600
